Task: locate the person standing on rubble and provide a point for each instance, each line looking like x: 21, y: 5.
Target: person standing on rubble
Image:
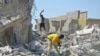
x: 42, y: 24
x: 54, y: 39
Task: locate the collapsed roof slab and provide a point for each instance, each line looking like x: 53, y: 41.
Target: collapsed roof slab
x: 4, y: 24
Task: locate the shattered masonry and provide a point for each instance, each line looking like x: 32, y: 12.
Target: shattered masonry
x: 15, y: 17
x: 18, y: 39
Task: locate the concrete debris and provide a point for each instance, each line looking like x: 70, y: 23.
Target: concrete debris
x: 89, y: 29
x: 86, y: 45
x: 71, y: 45
x: 5, y: 50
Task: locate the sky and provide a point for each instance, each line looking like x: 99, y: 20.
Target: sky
x: 54, y: 8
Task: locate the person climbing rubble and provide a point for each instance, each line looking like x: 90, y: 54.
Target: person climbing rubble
x: 54, y: 39
x: 42, y: 24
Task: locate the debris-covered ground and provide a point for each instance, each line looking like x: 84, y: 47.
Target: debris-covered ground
x: 72, y: 45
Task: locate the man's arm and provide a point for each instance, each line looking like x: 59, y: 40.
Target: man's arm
x: 41, y: 12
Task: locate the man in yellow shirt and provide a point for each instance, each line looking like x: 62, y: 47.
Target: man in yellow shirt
x: 54, y: 39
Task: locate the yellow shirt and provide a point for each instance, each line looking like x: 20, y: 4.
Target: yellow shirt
x: 54, y: 38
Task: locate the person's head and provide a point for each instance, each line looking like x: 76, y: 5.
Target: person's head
x: 61, y: 36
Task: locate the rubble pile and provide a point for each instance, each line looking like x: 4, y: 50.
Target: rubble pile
x: 34, y: 48
x: 85, y: 45
x: 15, y: 26
x: 37, y: 47
x: 23, y: 50
x: 71, y: 45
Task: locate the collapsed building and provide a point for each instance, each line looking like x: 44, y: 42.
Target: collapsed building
x: 86, y: 43
x: 66, y: 22
x: 69, y: 22
x: 15, y: 21
x: 15, y: 18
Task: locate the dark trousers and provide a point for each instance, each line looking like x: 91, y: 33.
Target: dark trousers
x: 42, y: 25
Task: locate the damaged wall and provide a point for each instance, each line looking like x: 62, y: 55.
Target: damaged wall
x: 63, y: 23
x: 22, y: 31
x: 5, y: 36
x: 83, y: 18
x: 16, y: 14
x: 93, y: 21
